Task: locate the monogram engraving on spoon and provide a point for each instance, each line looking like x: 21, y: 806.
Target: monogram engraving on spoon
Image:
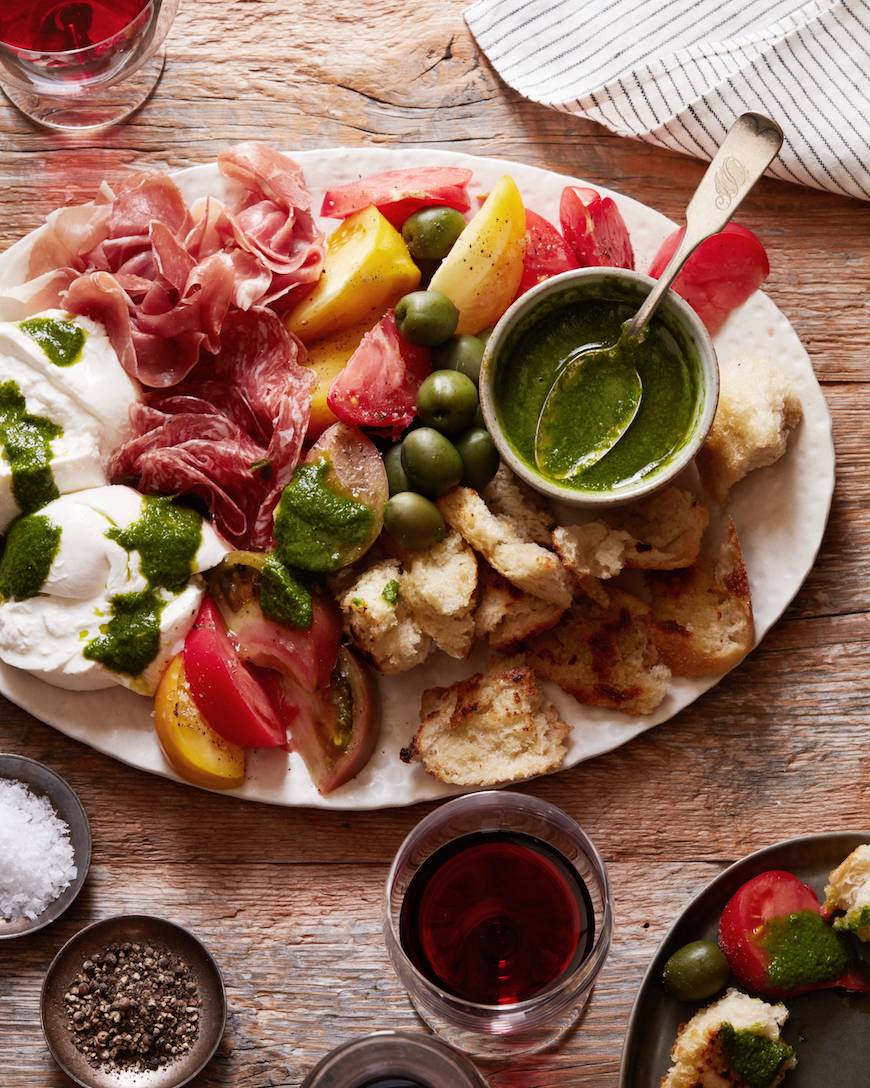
x: 731, y: 175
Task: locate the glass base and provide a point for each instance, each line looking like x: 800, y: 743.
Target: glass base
x: 94, y: 109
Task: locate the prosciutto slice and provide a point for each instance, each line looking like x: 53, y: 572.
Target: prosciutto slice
x: 163, y: 278
x: 231, y: 432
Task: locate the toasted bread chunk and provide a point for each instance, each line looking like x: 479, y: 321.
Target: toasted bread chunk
x: 702, y: 617
x: 530, y: 567
x: 506, y: 616
x: 438, y: 585
x: 848, y: 894
x: 493, y: 727
x: 380, y: 622
x: 604, y: 656
x: 708, y: 1049
x: 509, y: 497
x: 662, y: 532
x: 758, y: 409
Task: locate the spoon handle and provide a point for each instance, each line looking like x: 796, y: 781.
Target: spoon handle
x: 746, y: 152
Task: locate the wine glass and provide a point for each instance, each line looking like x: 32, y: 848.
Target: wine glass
x: 81, y: 65
x: 498, y: 922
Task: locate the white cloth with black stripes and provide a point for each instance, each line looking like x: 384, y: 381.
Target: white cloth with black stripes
x: 678, y: 72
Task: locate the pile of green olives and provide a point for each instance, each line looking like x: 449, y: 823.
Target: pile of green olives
x: 448, y: 446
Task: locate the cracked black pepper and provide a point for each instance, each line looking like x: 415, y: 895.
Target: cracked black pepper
x: 133, y: 1008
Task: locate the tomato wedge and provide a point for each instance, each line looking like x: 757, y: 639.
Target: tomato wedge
x: 230, y: 699
x: 378, y: 387
x: 546, y: 254
x: 720, y: 275
x: 594, y: 229
x: 335, y: 730
x: 399, y: 193
x: 745, y: 925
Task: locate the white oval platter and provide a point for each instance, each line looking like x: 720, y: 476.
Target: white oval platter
x: 780, y: 512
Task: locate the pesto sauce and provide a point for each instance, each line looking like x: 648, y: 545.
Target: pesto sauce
x: 754, y: 1058
x: 31, y: 545
x: 26, y: 441
x: 61, y: 341
x: 315, y: 525
x: 282, y: 596
x: 130, y: 640
x: 668, y: 407
x: 167, y: 538
x: 854, y: 920
x: 804, y: 950
x: 390, y: 592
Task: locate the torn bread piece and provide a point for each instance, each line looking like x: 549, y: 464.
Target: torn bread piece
x: 736, y: 1042
x: 494, y: 727
x: 506, y: 616
x: 848, y: 894
x: 758, y: 408
x: 530, y: 567
x: 663, y: 532
x: 380, y: 622
x: 604, y: 656
x: 702, y: 617
x: 510, y: 497
x: 439, y: 586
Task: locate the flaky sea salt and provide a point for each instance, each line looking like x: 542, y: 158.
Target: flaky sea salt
x: 36, y: 856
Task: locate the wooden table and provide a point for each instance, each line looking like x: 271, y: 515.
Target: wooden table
x: 290, y: 901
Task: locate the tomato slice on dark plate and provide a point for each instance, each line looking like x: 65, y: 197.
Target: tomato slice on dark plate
x: 720, y: 275
x: 771, y: 895
x: 399, y: 193
x: 594, y: 229
x: 547, y: 253
x: 335, y: 730
x: 228, y: 696
x: 378, y: 386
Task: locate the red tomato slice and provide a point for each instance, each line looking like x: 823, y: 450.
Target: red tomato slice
x: 399, y: 193
x: 720, y: 275
x: 770, y: 895
x: 378, y: 386
x: 547, y: 253
x: 594, y: 229
x: 227, y: 695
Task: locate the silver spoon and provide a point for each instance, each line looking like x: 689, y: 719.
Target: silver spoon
x: 606, y: 375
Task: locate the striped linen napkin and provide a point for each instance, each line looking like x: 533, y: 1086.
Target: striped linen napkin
x: 678, y: 72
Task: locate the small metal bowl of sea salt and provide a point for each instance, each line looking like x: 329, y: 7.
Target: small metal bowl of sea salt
x: 45, y: 846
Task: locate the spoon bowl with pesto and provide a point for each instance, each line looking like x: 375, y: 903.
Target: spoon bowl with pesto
x: 541, y: 334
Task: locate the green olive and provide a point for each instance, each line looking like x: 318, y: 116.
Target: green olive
x: 426, y: 318
x: 396, y: 477
x: 413, y: 521
x: 480, y: 458
x: 430, y: 233
x: 479, y: 421
x: 447, y: 400
x: 431, y: 461
x: 484, y: 335
x: 696, y: 971
x: 462, y: 353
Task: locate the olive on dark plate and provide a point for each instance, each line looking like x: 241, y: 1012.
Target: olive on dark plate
x: 696, y: 971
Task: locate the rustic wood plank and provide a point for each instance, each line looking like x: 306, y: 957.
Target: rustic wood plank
x: 290, y: 901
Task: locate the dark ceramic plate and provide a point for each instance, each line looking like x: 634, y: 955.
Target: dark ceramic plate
x: 146, y: 930
x: 45, y: 783
x: 829, y: 1030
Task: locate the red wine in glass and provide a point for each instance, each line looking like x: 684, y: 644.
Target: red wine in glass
x: 57, y: 26
x: 496, y: 918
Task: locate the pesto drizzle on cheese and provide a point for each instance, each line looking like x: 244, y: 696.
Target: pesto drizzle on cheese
x: 31, y: 545
x: 27, y: 442
x: 61, y: 341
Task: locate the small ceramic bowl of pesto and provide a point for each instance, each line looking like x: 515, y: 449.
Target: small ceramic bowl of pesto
x: 545, y: 329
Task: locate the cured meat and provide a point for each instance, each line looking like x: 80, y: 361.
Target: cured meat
x: 231, y: 432
x: 164, y: 278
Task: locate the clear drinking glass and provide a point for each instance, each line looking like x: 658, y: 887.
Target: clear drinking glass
x: 82, y: 65
x: 395, y: 1057
x: 500, y: 1031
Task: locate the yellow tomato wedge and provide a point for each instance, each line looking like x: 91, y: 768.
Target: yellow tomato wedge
x: 327, y: 358
x: 194, y: 749
x: 367, y: 269
x: 481, y: 273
